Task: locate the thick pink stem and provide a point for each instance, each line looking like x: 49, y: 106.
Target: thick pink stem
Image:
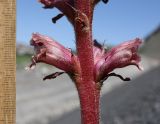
x: 84, y: 41
x: 89, y: 96
x: 89, y: 101
x: 87, y: 89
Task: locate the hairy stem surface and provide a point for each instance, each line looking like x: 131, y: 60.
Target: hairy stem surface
x: 88, y: 93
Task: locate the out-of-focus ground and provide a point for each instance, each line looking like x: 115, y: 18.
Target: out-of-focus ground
x: 137, y: 102
x: 56, y: 101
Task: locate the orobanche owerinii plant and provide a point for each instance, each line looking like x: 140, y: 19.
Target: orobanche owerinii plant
x: 93, y: 64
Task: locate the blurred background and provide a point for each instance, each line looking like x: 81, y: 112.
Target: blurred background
x: 56, y: 101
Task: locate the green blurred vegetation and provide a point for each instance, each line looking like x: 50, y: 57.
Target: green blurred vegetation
x: 22, y: 60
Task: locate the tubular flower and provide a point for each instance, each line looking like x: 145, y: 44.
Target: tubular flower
x: 120, y: 56
x: 51, y: 52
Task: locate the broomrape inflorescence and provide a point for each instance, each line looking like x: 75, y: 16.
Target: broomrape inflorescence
x: 93, y: 64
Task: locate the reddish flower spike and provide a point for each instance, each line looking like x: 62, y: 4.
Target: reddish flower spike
x: 82, y: 68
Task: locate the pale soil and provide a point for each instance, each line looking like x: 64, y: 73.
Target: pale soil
x: 41, y: 102
x: 137, y: 102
